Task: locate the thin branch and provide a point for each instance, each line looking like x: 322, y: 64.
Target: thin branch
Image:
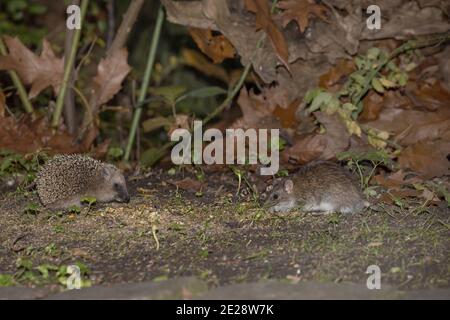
x: 129, y: 19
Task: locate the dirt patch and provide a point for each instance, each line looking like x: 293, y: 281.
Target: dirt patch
x: 167, y: 232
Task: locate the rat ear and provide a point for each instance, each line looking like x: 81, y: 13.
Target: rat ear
x: 289, y: 186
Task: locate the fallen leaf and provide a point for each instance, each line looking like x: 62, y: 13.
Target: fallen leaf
x: 306, y: 149
x: 27, y: 135
x: 287, y: 115
x: 373, y: 104
x: 337, y: 135
x: 428, y: 158
x: 256, y: 113
x: 264, y: 21
x: 199, y: 62
x: 395, y: 180
x: 276, y: 95
x: 411, y: 126
x: 335, y: 75
x: 188, y: 184
x: 432, y: 96
x: 218, y: 48
x: 111, y: 72
x: 300, y: 11
x: 38, y: 71
x: 391, y: 196
x: 323, y: 146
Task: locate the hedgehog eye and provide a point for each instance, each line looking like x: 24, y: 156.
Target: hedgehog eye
x: 275, y: 196
x: 116, y: 186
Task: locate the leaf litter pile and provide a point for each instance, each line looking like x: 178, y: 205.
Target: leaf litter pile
x: 376, y: 100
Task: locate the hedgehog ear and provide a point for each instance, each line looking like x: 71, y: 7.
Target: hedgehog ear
x: 106, y: 172
x: 289, y: 186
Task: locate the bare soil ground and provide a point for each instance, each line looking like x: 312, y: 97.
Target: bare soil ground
x: 165, y: 232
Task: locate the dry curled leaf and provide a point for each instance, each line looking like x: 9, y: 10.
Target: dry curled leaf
x: 218, y: 48
x: 110, y: 74
x: 38, y: 71
x: 301, y: 11
x: 188, y: 184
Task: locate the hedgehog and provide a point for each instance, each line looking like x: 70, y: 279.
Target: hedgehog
x: 65, y: 180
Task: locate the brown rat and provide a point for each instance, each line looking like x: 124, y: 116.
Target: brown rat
x: 320, y: 186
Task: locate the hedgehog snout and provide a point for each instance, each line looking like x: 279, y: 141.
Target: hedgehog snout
x: 122, y: 194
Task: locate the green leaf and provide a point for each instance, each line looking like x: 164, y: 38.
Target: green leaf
x: 376, y: 156
x: 151, y: 156
x: 32, y: 208
x: 6, y: 280
x: 156, y: 123
x: 376, y: 84
x: 115, y: 152
x: 170, y: 93
x: 373, y: 53
x: 202, y: 93
x: 89, y: 200
x: 387, y: 83
x: 358, y: 78
x: 322, y: 98
x: 311, y: 95
x: 359, y: 62
x: 24, y: 263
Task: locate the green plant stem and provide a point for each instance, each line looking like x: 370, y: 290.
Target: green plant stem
x: 145, y: 82
x: 407, y: 46
x: 17, y: 83
x: 68, y: 68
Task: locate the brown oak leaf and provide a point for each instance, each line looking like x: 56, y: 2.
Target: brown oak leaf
x: 301, y: 11
x: 38, y: 71
x: 110, y: 73
x: 264, y: 21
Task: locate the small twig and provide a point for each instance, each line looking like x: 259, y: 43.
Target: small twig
x: 129, y: 19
